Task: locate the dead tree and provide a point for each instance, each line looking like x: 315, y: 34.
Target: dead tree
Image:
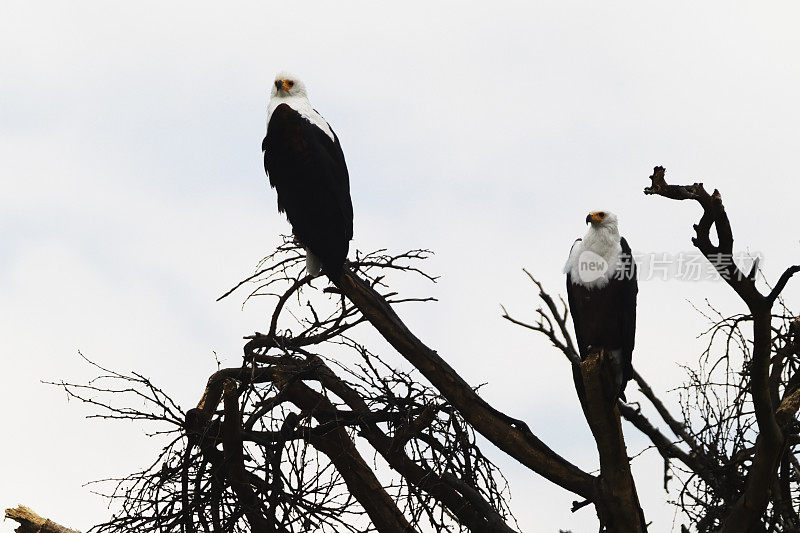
x: 314, y: 431
x: 774, y: 409
x: 281, y: 442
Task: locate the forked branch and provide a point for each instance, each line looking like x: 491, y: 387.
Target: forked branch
x: 754, y: 499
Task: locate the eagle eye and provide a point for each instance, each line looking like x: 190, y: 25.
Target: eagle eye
x: 290, y: 83
x: 601, y: 214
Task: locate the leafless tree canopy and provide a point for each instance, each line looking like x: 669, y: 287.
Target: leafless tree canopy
x: 296, y: 437
x: 315, y: 431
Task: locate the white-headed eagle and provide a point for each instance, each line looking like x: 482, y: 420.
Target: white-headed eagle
x: 602, y: 287
x: 306, y: 166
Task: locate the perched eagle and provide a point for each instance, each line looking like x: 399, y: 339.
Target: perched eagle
x: 601, y: 287
x: 306, y: 166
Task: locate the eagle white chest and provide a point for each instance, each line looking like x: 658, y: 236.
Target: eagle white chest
x: 595, y: 259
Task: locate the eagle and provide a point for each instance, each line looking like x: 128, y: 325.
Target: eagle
x: 601, y: 289
x: 306, y: 166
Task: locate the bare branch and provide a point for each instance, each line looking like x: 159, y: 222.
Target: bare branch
x: 30, y: 522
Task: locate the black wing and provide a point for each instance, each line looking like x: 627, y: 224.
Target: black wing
x: 629, y: 289
x: 343, y: 181
x: 308, y: 170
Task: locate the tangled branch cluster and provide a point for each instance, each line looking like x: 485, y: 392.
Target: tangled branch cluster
x: 720, y: 425
x: 313, y: 432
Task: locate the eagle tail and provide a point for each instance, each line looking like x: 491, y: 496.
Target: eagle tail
x: 313, y: 264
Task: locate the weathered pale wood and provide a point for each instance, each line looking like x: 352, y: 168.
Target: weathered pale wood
x: 30, y: 522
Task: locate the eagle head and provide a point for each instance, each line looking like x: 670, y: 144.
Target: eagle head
x: 288, y: 85
x: 602, y: 219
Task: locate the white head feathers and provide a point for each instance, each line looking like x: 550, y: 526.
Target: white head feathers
x: 289, y: 86
x: 290, y: 90
x: 594, y: 260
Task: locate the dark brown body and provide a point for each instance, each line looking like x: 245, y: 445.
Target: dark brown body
x: 308, y: 170
x: 606, y: 317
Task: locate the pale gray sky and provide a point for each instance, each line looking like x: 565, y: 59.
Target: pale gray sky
x: 133, y: 193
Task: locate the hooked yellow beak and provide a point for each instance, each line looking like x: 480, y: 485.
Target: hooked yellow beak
x: 595, y: 217
x: 283, y: 85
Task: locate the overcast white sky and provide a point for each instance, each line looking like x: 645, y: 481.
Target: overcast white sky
x: 132, y: 193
